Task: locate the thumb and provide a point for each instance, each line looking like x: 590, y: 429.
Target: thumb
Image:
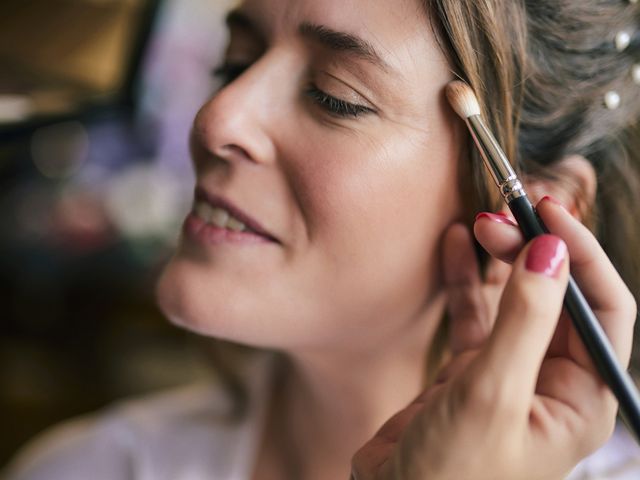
x: 468, y: 316
x: 528, y: 314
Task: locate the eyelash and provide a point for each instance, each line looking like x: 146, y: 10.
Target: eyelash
x: 228, y: 72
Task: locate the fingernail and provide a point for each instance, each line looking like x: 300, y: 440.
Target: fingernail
x: 496, y: 217
x: 552, y: 200
x: 546, y: 255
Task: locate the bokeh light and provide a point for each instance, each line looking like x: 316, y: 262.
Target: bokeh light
x: 60, y: 150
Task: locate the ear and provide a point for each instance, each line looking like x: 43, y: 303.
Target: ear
x: 572, y: 181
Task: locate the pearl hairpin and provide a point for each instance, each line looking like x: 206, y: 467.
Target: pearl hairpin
x: 635, y: 73
x: 622, y: 40
x: 612, y: 100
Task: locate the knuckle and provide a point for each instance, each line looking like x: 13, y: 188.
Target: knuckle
x: 526, y: 304
x: 481, y: 394
x: 626, y: 313
x: 630, y: 305
x: 488, y: 396
x: 622, y: 302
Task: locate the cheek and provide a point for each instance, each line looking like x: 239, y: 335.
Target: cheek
x: 371, y: 210
x: 377, y: 206
x: 390, y: 185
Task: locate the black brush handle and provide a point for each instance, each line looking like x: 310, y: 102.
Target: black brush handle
x: 588, y: 327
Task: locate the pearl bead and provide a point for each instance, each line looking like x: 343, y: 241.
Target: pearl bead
x: 623, y: 39
x: 612, y: 100
x: 635, y: 73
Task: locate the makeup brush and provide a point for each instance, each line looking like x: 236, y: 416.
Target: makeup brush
x: 465, y: 104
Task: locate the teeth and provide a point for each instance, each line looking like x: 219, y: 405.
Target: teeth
x: 237, y: 225
x: 204, y: 211
x: 218, y: 216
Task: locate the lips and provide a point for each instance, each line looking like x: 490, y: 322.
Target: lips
x: 201, y: 195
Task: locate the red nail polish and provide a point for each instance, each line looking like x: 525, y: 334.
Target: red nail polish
x: 546, y: 255
x: 500, y: 218
x: 552, y: 200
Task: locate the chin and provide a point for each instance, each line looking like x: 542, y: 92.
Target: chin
x: 189, y: 302
x: 207, y: 303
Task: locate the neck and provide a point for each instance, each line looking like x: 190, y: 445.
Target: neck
x: 329, y: 403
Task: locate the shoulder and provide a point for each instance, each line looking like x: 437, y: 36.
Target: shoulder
x: 618, y: 459
x: 137, y: 435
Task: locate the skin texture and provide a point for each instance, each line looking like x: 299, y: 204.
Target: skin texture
x: 337, y: 193
x: 359, y: 206
x: 354, y: 289
x: 521, y: 399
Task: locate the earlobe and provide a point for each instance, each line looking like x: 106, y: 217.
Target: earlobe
x: 572, y: 181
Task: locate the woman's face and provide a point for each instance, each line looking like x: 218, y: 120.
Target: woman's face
x: 337, y: 139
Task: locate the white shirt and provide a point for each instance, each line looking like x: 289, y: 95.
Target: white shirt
x: 184, y: 434
x: 180, y: 434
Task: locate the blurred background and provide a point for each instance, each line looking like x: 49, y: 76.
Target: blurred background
x: 96, y: 100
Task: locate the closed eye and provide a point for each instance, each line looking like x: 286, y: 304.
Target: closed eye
x: 228, y: 72
x: 335, y: 105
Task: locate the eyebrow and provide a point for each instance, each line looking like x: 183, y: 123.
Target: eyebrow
x: 325, y: 36
x: 343, y: 42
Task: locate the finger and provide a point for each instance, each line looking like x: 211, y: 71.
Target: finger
x: 496, y: 274
x: 392, y: 429
x: 468, y: 316
x: 502, y: 240
x: 498, y: 235
x: 562, y: 383
x: 598, y: 279
x: 528, y: 314
x: 560, y: 341
x: 590, y: 265
x: 369, y: 458
x: 455, y: 367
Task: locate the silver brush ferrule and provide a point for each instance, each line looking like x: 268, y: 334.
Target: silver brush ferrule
x: 495, y: 160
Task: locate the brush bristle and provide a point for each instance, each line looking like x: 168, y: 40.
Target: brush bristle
x: 462, y: 99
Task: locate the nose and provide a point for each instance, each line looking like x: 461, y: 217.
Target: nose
x: 234, y: 125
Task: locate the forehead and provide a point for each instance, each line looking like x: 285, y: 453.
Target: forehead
x: 398, y: 30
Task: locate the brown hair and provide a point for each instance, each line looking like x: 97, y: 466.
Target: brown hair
x: 540, y: 70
